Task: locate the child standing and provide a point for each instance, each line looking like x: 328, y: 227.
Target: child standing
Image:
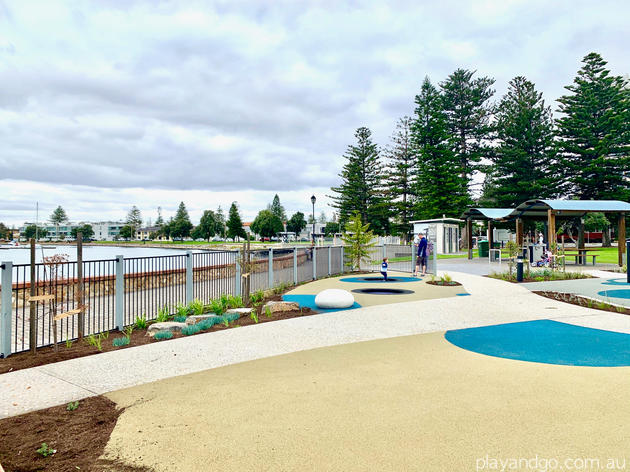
x: 384, y: 269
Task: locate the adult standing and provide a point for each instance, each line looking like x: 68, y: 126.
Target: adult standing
x: 421, y: 259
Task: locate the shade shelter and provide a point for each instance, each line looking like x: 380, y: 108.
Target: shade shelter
x: 550, y: 209
x: 485, y: 214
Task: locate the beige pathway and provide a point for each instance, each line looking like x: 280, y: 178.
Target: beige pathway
x: 412, y: 403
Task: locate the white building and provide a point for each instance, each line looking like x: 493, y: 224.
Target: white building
x: 444, y: 232
x: 107, y: 230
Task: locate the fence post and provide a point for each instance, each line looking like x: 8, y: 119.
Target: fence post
x: 341, y: 261
x: 5, y: 308
x: 237, y: 277
x: 120, y: 292
x: 270, y: 267
x: 384, y: 250
x: 435, y: 259
x: 314, y: 263
x: 329, y: 261
x: 189, y: 277
x: 295, y: 274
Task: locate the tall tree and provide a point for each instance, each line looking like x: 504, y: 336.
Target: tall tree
x: 467, y: 108
x: 296, y: 223
x: 235, y: 224
x: 277, y: 209
x: 4, y: 231
x: 267, y: 224
x: 594, y: 134
x: 86, y: 231
x: 181, y: 225
x: 523, y: 157
x: 441, y: 185
x: 209, y: 225
x: 58, y: 217
x: 134, y: 219
x: 362, y: 181
x: 221, y: 222
x: 401, y: 175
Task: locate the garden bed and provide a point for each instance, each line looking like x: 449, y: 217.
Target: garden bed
x: 537, y: 275
x: 47, y: 355
x: 582, y: 301
x: 443, y: 283
x: 79, y: 438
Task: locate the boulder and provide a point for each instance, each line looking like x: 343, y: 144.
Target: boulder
x: 275, y: 307
x: 191, y: 320
x: 334, y: 298
x: 165, y: 326
x: 241, y: 311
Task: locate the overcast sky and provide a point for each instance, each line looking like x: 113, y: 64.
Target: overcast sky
x: 106, y: 104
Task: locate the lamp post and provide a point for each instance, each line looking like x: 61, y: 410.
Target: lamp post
x: 313, y: 200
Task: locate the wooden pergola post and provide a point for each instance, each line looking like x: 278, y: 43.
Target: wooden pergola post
x: 621, y: 237
x: 551, y: 227
x: 519, y: 232
x: 469, y: 237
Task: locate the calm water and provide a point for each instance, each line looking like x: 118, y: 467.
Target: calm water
x: 22, y: 256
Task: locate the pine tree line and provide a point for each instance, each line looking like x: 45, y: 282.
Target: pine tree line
x: 458, y: 135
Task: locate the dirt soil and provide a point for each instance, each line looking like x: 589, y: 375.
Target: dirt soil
x: 78, y: 436
x: 581, y: 301
x: 47, y: 355
x: 443, y: 284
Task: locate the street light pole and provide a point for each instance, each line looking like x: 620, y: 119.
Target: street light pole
x: 313, y: 200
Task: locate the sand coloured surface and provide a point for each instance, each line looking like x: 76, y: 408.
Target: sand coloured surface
x: 422, y: 290
x: 406, y: 403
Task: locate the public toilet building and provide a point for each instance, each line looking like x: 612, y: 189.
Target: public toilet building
x: 444, y: 231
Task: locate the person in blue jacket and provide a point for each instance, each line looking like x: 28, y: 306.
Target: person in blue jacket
x: 421, y: 260
x: 384, y: 269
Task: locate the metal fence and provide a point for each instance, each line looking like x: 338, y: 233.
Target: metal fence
x: 117, y: 291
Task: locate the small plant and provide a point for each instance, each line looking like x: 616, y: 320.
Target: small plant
x: 254, y: 316
x: 180, y: 319
x: 195, y: 307
x: 268, y: 312
x: 231, y: 317
x: 46, y: 450
x: 257, y: 297
x: 589, y: 303
x: 190, y: 330
x: 163, y: 335
x: 602, y: 305
x: 72, y: 406
x: 206, y: 324
x: 226, y: 323
x: 281, y: 288
x: 68, y: 343
x: 97, y: 340
x: 225, y: 302
x: 446, y: 279
x: 235, y: 301
x: 127, y: 331
x: 181, y: 310
x: 217, y: 307
x: 119, y: 342
x: 163, y: 314
x: 141, y: 322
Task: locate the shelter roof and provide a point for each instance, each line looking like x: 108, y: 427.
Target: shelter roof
x: 487, y: 213
x: 538, y: 208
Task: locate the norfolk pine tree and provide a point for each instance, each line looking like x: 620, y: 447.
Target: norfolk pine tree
x: 523, y: 158
x: 58, y: 217
x: 358, y: 241
x: 234, y: 224
x: 441, y: 185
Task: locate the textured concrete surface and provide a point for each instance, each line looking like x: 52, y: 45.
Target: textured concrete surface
x: 607, y: 282
x: 408, y: 403
x: 491, y: 302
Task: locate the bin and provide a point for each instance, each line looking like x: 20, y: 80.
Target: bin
x: 483, y: 248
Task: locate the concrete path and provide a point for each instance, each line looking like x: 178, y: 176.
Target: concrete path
x: 490, y: 302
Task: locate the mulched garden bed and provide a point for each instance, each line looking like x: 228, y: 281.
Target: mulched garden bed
x: 582, y: 301
x: 47, y: 355
x: 442, y: 283
x: 79, y: 438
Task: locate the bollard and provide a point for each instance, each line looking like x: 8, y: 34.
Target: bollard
x: 519, y: 269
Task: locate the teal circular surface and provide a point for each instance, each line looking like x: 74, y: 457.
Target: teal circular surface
x: 547, y: 342
x: 621, y: 293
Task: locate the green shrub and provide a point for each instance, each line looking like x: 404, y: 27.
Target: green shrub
x: 235, y: 301
x: 217, y: 307
x: 141, y: 322
x: 118, y: 342
x: 181, y: 310
x: 180, y: 319
x: 195, y: 307
x: 225, y: 301
x: 163, y: 335
x: 207, y: 323
x: 163, y: 314
x: 190, y: 329
x: 257, y: 297
x: 231, y: 316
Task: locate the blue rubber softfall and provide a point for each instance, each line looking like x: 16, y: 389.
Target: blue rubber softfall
x: 548, y: 342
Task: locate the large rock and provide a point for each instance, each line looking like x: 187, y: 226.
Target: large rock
x: 164, y: 326
x: 334, y: 298
x: 275, y: 307
x: 241, y: 311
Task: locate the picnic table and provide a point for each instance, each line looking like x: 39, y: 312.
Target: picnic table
x: 581, y: 253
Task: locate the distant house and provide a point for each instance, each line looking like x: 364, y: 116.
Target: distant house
x: 149, y: 232
x: 107, y: 230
